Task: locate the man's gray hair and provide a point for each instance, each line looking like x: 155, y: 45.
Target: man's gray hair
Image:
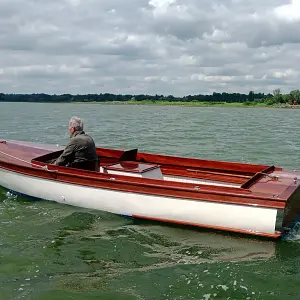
x: 76, y: 123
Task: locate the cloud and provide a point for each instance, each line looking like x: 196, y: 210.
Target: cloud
x: 289, y: 12
x: 177, y: 47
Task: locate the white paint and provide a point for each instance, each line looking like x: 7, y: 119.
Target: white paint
x: 125, y: 203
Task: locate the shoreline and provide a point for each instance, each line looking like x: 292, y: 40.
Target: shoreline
x: 165, y: 103
x: 194, y: 104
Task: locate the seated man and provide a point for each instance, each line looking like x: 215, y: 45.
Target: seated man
x: 80, y: 152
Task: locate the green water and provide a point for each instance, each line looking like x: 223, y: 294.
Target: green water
x: 52, y: 251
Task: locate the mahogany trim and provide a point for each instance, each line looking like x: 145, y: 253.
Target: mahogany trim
x: 218, y: 173
x: 152, y: 187
x: 221, y: 178
x: 289, y: 191
x: 275, y: 235
x: 257, y: 176
x: 149, y: 182
x: 252, y: 180
x: 269, y: 170
x: 202, y: 164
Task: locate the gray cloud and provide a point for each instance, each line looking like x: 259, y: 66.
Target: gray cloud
x: 166, y: 47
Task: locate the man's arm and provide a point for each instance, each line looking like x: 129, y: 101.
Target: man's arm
x: 67, y: 156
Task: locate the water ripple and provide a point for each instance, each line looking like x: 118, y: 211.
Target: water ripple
x: 52, y: 251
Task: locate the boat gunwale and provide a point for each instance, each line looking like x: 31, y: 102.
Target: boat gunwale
x: 179, y: 193
x: 158, y: 183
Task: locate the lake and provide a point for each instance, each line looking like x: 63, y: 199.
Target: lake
x: 53, y: 251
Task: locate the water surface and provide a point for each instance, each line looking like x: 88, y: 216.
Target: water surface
x: 54, y: 251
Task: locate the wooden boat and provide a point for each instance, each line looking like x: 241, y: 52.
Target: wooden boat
x: 251, y: 199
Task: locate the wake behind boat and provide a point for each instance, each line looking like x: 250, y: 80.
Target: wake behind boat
x: 238, y: 197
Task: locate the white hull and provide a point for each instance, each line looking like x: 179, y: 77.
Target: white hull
x: 237, y: 217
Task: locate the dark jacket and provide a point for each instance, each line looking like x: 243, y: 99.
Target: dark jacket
x: 80, y: 151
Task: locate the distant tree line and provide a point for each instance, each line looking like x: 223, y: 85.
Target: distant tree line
x: 275, y: 98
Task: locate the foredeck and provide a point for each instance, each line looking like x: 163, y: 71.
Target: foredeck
x: 21, y: 153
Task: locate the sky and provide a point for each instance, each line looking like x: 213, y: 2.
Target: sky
x: 165, y: 47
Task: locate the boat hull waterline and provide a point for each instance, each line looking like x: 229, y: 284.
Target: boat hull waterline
x: 68, y: 186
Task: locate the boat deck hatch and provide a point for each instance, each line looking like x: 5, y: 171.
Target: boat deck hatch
x: 136, y: 169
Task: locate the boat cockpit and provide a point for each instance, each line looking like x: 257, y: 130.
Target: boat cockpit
x: 129, y: 163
